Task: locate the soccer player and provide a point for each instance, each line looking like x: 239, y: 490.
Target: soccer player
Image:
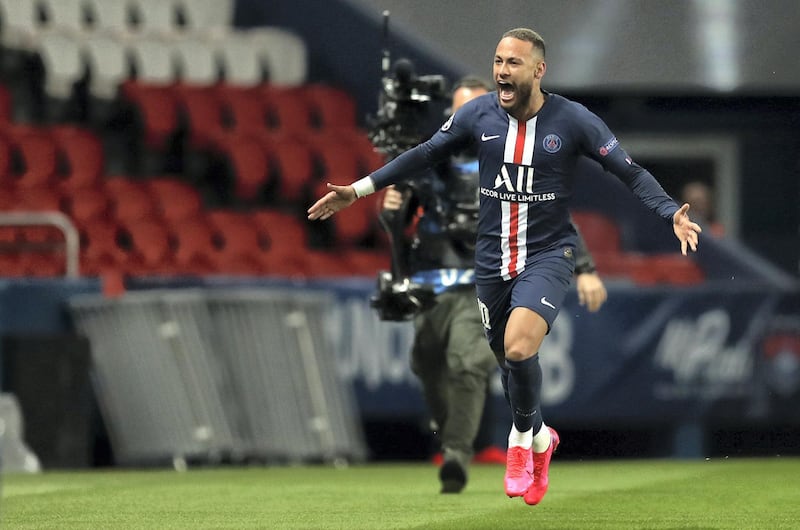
x: 450, y: 357
x: 529, y: 141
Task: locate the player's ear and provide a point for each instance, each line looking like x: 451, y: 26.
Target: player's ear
x: 541, y: 68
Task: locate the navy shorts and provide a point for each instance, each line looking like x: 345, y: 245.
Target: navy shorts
x: 541, y: 287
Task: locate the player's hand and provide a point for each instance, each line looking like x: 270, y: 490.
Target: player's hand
x: 338, y: 198
x: 591, y: 290
x: 392, y: 199
x: 685, y: 230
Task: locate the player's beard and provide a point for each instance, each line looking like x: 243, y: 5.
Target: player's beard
x: 522, y: 98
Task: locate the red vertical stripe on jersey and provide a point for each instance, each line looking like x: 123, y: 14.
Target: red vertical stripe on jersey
x: 513, y: 244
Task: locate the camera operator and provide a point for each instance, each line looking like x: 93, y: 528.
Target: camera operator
x: 450, y: 355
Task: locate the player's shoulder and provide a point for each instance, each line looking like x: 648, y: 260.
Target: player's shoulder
x: 482, y: 103
x: 566, y: 105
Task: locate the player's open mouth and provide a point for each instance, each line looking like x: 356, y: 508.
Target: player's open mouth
x: 505, y: 90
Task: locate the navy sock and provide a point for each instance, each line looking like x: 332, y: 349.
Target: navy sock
x: 504, y: 382
x: 525, y: 389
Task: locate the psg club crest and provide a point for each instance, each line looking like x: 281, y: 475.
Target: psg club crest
x: 551, y: 143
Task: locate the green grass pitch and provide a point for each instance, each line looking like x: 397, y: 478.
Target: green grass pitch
x: 649, y: 494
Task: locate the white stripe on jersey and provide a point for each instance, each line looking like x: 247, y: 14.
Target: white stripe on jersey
x: 515, y: 219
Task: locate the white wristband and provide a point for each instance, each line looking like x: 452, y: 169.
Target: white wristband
x: 363, y: 187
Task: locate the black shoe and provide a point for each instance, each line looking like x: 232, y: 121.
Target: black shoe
x: 453, y: 476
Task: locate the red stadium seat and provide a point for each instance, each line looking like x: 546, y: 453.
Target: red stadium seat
x: 131, y: 199
x: 245, y: 110
x: 670, y: 269
x: 197, y: 250
x: 174, y: 198
x: 250, y: 165
x: 158, y: 110
x: 100, y: 248
x: 151, y: 251
x: 88, y: 205
x: 295, y: 168
x: 289, y: 111
x: 336, y: 163
x: 286, y: 241
x: 35, y: 152
x: 80, y: 157
x: 331, y: 107
x: 202, y: 112
x: 241, y: 251
x: 600, y: 232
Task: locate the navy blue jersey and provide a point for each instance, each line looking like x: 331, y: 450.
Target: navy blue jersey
x: 526, y: 175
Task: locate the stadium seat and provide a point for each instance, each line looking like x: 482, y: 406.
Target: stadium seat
x: 80, y: 157
x: 332, y: 107
x: 68, y: 16
x: 158, y: 110
x: 5, y: 159
x: 109, y: 16
x: 151, y: 250
x: 340, y: 165
x: 151, y: 58
x: 250, y: 167
x: 286, y: 241
x: 35, y: 152
x: 88, y: 205
x: 241, y: 252
x: 20, y: 24
x: 196, y: 251
x: 671, y: 269
x: 289, y: 111
x: 283, y: 52
x: 100, y: 249
x: 245, y: 110
x: 176, y: 200
x: 295, y: 169
x: 201, y: 112
x: 6, y: 114
x: 130, y: 200
x: 209, y: 17
x: 601, y: 233
x: 155, y: 17
x: 196, y: 60
x: 241, y: 62
x: 106, y: 61
x: 64, y: 68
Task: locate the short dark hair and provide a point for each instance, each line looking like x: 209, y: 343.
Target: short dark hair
x: 527, y: 35
x: 473, y: 81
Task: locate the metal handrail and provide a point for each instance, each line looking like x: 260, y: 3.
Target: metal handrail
x: 58, y: 220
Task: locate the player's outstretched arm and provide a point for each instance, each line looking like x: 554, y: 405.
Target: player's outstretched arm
x: 338, y: 198
x: 685, y: 230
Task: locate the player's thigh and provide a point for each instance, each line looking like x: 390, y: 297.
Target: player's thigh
x: 524, y: 334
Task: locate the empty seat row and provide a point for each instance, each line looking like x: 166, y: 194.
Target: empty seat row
x: 58, y: 156
x: 604, y: 239
x: 25, y: 19
x: 209, y: 113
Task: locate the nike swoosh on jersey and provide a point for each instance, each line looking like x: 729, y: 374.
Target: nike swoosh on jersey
x: 485, y: 138
x: 545, y: 302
